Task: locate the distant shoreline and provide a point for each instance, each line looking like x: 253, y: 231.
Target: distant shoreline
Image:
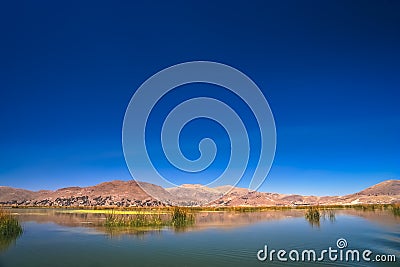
x: 133, y: 194
x: 135, y: 210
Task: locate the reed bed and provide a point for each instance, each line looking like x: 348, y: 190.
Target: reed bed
x: 176, y: 217
x: 10, y: 229
x: 193, y: 209
x: 9, y: 225
x: 134, y: 220
x: 395, y: 208
x: 313, y: 214
x: 181, y: 217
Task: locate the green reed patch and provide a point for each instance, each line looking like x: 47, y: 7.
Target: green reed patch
x: 9, y: 225
x: 313, y: 214
x: 134, y: 220
x: 181, y: 217
x: 10, y: 229
x: 176, y: 217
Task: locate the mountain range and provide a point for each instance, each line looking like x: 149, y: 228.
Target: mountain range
x: 131, y: 194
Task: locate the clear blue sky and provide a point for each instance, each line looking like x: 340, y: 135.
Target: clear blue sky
x: 329, y: 69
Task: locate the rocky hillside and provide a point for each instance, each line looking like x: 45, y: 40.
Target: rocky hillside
x: 389, y: 188
x: 193, y: 194
x: 382, y: 193
x: 131, y: 194
x: 115, y: 193
x: 15, y: 194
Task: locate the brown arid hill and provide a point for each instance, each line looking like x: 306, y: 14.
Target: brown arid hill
x: 131, y: 194
x: 383, y: 193
x: 9, y: 193
x: 115, y: 193
x: 389, y: 187
x: 193, y: 194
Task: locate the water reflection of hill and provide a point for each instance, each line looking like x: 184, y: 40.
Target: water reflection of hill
x: 203, y: 220
x: 382, y: 217
x: 236, y: 219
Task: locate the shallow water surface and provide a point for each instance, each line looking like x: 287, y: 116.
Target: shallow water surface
x: 63, y: 238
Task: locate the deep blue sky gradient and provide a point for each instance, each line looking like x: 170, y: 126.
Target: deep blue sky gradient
x: 329, y: 69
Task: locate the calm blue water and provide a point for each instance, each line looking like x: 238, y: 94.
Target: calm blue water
x: 217, y: 239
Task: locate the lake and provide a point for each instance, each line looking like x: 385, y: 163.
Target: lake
x: 55, y: 237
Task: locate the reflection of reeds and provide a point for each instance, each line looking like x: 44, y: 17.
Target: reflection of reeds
x: 140, y: 233
x: 329, y: 214
x: 314, y: 215
x: 395, y: 208
x: 369, y: 207
x: 10, y: 229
